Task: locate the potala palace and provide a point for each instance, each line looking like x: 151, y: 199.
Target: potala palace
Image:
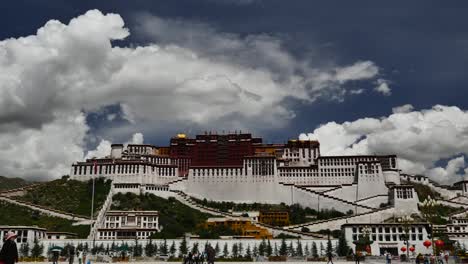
x: 239, y: 168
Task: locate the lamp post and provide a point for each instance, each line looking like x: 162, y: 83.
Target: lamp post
x: 427, y: 209
x: 406, y: 220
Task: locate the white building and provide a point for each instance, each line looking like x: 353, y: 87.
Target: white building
x: 239, y: 168
x: 389, y: 237
x: 457, y: 229
x: 128, y: 225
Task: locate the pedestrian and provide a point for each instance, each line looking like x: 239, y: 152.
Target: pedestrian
x: 55, y: 256
x: 388, y: 257
x: 210, y: 254
x: 330, y: 257
x: 426, y: 259
x: 190, y: 258
x: 356, y: 257
x: 80, y: 257
x: 9, y: 251
x: 71, y: 254
x: 418, y: 258
x: 440, y: 258
x: 446, y: 256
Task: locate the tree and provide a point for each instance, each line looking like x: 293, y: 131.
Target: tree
x: 173, y: 249
x: 163, y: 248
x: 276, y: 250
x: 262, y: 248
x: 269, y: 249
x: 255, y: 251
x: 342, y: 248
x: 248, y: 252
x: 241, y: 249
x: 24, y: 249
x: 149, y: 248
x: 283, y: 248
x: 299, y: 251
x: 217, y: 249
x: 183, y: 247
x: 235, y: 250
x: 314, y: 250
x: 137, y: 250
x: 37, y: 249
x: 306, y: 250
x: 291, y: 250
x: 322, y: 249
x: 225, y: 251
x: 195, y: 247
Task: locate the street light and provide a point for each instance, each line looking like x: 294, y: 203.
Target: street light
x: 406, y: 220
x: 427, y: 209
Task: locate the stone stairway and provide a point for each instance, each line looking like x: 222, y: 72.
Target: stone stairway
x: 321, y: 194
x: 19, y: 191
x: 185, y: 199
x: 102, y: 213
x: 338, y: 221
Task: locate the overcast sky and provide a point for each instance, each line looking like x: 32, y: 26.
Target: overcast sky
x: 76, y: 76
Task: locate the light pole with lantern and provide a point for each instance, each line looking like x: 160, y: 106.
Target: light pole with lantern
x: 406, y: 220
x: 427, y: 209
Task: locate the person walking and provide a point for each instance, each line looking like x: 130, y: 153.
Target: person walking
x: 210, y: 254
x: 388, y: 258
x: 356, y: 257
x: 55, y: 256
x: 9, y: 251
x: 71, y: 254
x: 80, y: 257
x: 330, y: 257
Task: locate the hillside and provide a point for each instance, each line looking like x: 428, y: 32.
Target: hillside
x: 12, y: 183
x: 175, y: 217
x: 69, y: 195
x: 11, y: 214
x: 297, y: 213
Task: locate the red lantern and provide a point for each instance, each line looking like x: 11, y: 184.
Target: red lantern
x: 439, y: 243
x: 411, y: 249
x: 427, y: 243
x: 403, y: 249
x: 368, y: 249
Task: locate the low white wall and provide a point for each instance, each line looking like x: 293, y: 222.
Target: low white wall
x: 190, y: 242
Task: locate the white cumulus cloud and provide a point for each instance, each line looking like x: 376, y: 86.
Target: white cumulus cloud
x: 382, y: 87
x: 190, y: 74
x: 402, y: 109
x: 419, y: 138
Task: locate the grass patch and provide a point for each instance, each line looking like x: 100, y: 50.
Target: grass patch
x: 12, y: 183
x: 67, y: 195
x: 11, y: 214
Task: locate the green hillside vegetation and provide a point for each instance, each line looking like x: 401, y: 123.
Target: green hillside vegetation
x: 297, y: 213
x: 175, y: 217
x: 69, y: 195
x: 12, y: 183
x: 11, y: 214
